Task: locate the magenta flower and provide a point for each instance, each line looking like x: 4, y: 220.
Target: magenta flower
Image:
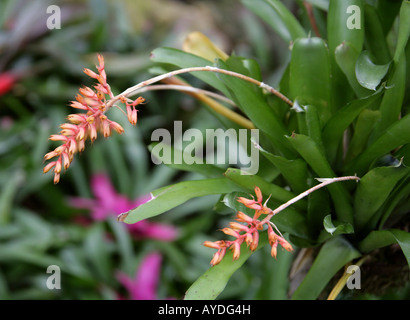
x: 108, y: 202
x: 144, y: 285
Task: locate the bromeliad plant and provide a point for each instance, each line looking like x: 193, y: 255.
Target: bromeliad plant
x: 342, y: 112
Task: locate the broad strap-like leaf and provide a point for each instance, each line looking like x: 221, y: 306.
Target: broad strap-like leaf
x: 372, y: 191
x: 214, y: 280
x: 275, y: 13
x: 169, y: 197
x: 382, y: 238
x: 334, y: 254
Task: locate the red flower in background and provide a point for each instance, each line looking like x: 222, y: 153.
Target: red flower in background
x: 7, y: 81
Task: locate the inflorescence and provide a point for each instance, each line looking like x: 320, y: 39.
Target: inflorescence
x: 247, y: 228
x: 83, y: 126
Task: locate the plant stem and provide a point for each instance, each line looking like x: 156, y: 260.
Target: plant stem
x: 183, y: 88
x: 131, y: 91
x: 324, y: 183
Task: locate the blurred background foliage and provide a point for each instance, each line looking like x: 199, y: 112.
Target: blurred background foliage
x: 40, y: 72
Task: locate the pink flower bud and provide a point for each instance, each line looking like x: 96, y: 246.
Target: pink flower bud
x: 255, y: 241
x: 90, y: 73
x: 116, y: 126
x: 58, y: 137
x: 213, y: 245
x: 274, y: 249
x: 236, y: 249
x: 49, y: 166
x: 66, y: 160
x: 258, y: 194
x: 242, y: 217
x: 239, y: 227
x: 230, y: 232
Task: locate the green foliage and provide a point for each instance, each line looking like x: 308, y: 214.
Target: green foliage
x: 350, y: 116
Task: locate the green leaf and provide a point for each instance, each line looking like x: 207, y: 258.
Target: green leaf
x: 310, y: 75
x: 313, y: 126
x: 252, y: 102
x: 381, y: 238
x: 391, y: 208
x: 392, y: 102
x: 344, y: 24
x: 167, y: 198
x: 310, y: 152
x: 294, y: 171
x: 124, y: 245
x: 404, y: 30
x: 321, y: 4
x: 194, y: 164
x: 390, y: 10
x: 230, y: 200
x: 214, y: 280
x: 363, y: 127
x: 375, y: 38
x: 97, y: 252
x: 346, y: 56
x: 396, y: 135
x: 186, y: 60
x: 369, y: 74
x: 250, y: 181
x: 7, y: 195
x: 334, y: 254
x: 335, y: 227
x: 373, y: 189
x: 318, y: 207
x: 336, y: 126
x: 275, y: 14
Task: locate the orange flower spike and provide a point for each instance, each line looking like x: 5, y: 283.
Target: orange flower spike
x: 83, y: 126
